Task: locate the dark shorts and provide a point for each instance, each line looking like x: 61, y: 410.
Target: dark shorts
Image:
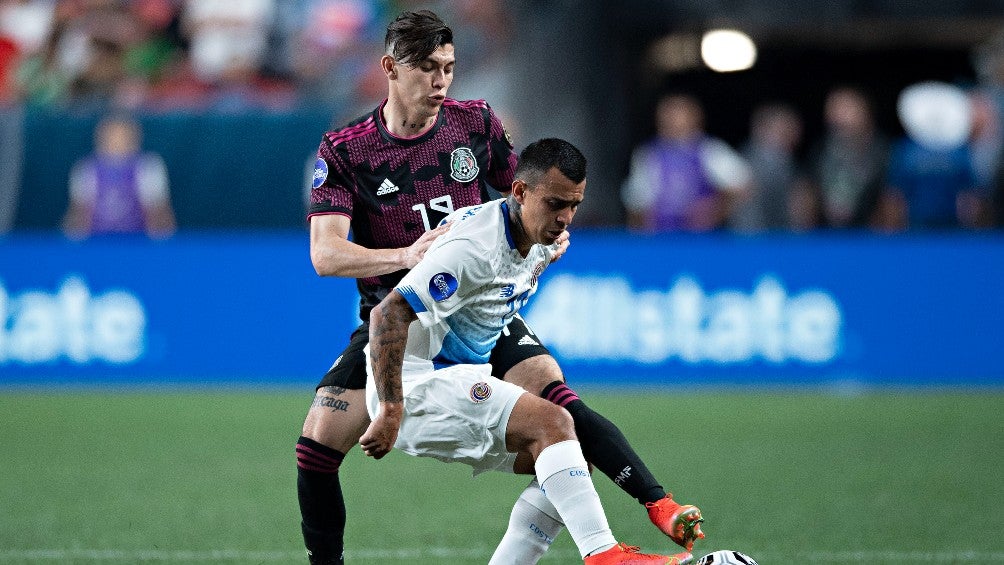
x: 517, y: 343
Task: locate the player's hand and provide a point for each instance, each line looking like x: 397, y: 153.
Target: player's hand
x: 562, y: 242
x: 414, y: 252
x: 382, y: 432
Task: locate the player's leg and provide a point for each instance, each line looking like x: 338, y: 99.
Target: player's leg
x: 460, y: 413
x: 547, y: 433
x: 519, y: 358
x: 533, y: 525
x: 537, y: 427
x: 336, y: 419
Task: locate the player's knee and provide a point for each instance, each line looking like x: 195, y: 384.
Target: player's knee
x: 535, y: 373
x: 535, y: 424
x: 556, y: 424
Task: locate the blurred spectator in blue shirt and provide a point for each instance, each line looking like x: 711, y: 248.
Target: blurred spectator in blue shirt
x: 931, y: 171
x: 683, y: 179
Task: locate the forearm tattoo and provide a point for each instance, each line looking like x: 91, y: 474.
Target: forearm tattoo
x: 387, y: 343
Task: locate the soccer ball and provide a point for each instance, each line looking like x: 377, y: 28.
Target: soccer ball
x: 726, y: 557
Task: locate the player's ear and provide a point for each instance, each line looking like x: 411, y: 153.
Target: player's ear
x: 519, y: 190
x: 389, y: 66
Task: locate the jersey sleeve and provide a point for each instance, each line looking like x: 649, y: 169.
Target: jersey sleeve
x: 445, y: 280
x: 331, y: 189
x: 503, y: 158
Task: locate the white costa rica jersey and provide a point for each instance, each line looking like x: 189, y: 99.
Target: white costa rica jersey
x: 470, y: 283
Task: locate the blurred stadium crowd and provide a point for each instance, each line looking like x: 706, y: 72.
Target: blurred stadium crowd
x: 943, y: 170
x: 204, y: 55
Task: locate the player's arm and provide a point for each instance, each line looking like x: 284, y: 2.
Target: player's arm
x: 389, y: 323
x: 333, y: 255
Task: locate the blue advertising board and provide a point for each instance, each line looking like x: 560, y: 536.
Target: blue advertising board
x: 617, y: 309
x: 192, y: 309
x: 831, y: 308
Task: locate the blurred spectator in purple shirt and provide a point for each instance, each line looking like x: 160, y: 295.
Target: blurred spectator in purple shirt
x: 683, y: 179
x: 119, y: 188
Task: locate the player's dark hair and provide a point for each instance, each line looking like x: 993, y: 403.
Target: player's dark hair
x: 413, y: 36
x: 540, y: 156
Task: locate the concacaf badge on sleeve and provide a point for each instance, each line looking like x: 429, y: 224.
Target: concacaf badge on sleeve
x: 320, y: 173
x: 442, y: 286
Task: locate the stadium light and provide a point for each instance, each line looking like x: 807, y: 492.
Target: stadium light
x: 728, y: 50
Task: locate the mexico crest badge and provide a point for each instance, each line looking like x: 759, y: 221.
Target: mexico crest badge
x: 463, y: 165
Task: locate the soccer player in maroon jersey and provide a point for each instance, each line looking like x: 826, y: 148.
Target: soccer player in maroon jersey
x: 389, y: 177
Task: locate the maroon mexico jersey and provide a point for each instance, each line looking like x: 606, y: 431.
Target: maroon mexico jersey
x: 394, y: 189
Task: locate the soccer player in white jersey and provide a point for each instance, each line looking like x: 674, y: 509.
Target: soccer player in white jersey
x: 381, y: 182
x: 430, y: 391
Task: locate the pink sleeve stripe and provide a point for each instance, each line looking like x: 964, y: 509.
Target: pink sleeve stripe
x: 348, y: 134
x: 465, y: 103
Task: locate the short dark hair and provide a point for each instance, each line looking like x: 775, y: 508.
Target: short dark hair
x: 540, y: 156
x: 413, y: 36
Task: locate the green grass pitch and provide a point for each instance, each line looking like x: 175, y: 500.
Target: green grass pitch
x: 787, y: 477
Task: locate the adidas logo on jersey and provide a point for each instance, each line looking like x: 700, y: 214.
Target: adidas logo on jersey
x: 386, y: 187
x: 526, y: 340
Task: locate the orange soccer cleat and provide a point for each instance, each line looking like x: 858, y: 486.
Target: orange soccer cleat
x: 622, y: 554
x: 682, y: 523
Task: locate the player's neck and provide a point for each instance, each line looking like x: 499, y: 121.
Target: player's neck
x: 516, y: 228
x: 401, y: 122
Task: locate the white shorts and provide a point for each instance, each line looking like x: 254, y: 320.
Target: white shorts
x: 455, y: 414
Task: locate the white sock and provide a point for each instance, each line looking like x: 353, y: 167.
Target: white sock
x: 564, y: 478
x: 533, y: 525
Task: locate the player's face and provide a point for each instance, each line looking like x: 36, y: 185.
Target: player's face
x: 423, y: 87
x: 549, y: 206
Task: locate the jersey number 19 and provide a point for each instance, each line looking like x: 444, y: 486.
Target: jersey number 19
x: 442, y: 204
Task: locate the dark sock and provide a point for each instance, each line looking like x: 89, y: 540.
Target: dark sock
x: 322, y: 507
x: 605, y: 446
